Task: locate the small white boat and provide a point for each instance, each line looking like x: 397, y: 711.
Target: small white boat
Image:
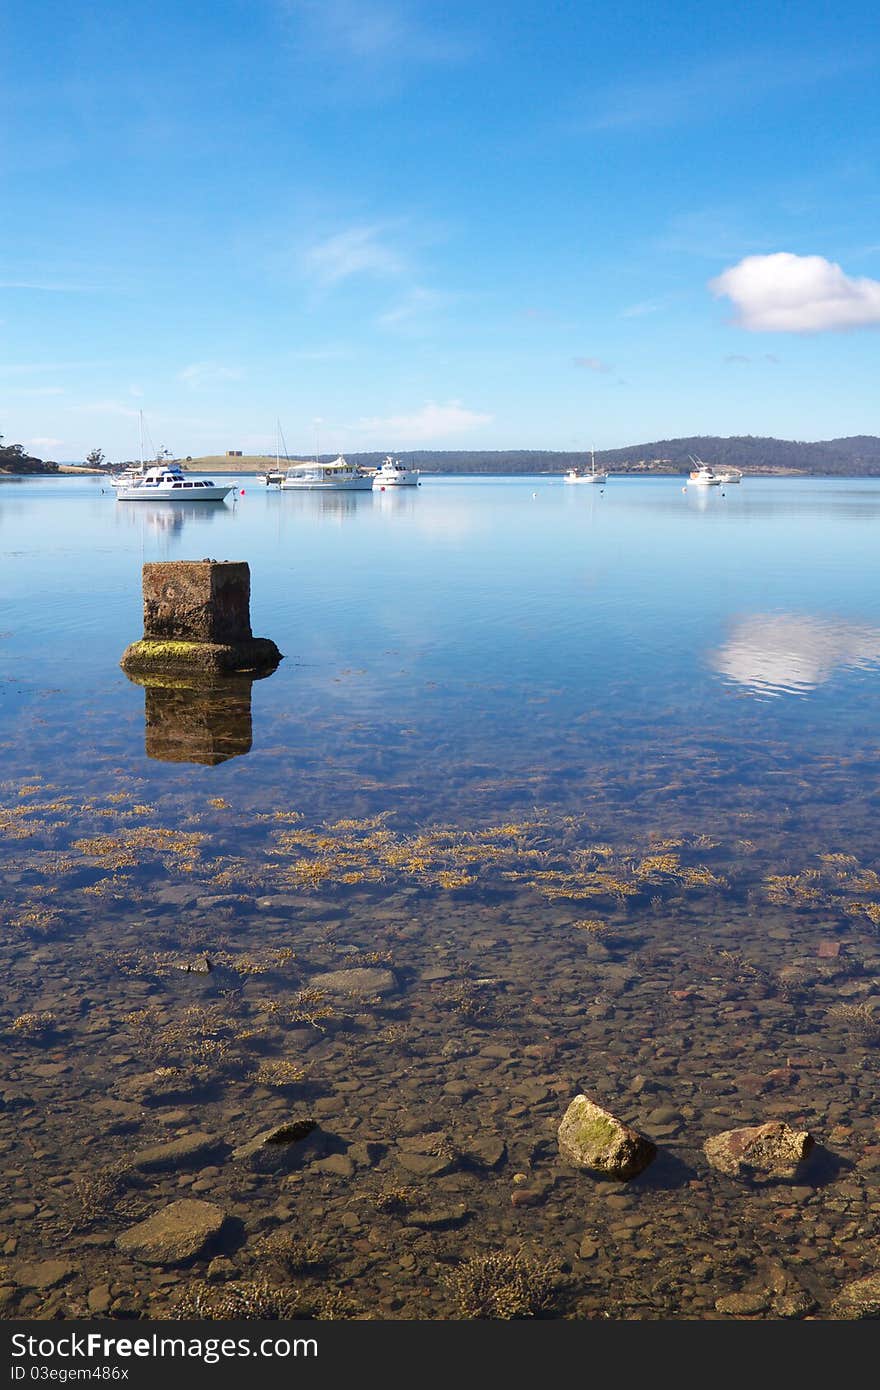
x: 393, y: 473
x: 274, y: 477
x: 702, y: 473
x: 132, y: 474
x: 169, y: 483
x: 730, y: 475
x: 587, y: 475
x: 340, y: 475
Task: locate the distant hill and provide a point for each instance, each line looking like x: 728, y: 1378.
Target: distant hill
x: 858, y: 456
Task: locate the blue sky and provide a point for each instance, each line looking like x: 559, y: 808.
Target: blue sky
x: 419, y: 225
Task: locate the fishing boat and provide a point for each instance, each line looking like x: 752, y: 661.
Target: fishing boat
x: 587, y: 475
x: 393, y: 473
x: 168, y: 483
x: 702, y: 473
x: 339, y: 475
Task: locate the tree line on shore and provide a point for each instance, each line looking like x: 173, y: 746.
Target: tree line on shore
x: 855, y: 456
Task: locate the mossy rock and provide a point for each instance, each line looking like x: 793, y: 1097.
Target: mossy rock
x: 592, y: 1138
x: 153, y: 656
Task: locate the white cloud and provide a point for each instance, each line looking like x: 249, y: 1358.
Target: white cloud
x: 785, y: 293
x: 357, y: 251
x: 431, y: 422
x: 200, y: 374
x: 592, y: 364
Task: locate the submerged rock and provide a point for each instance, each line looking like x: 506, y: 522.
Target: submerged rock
x: 190, y: 1151
x: 276, y: 1149
x: 859, y: 1299
x: 759, y: 1152
x: 44, y: 1274
x: 362, y: 983
x: 593, y: 1138
x: 178, y: 1233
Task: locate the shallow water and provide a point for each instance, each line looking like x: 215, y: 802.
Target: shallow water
x: 593, y: 772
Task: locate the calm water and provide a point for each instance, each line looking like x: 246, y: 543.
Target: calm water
x: 594, y: 773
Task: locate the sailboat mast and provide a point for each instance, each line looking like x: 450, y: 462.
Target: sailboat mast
x: 141, y: 429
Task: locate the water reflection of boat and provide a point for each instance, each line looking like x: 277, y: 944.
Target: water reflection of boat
x: 328, y: 505
x: 170, y: 516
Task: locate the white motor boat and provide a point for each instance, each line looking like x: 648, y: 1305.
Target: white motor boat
x: 393, y: 473
x: 587, y: 475
x: 730, y: 475
x: 703, y: 474
x: 274, y: 477
x: 132, y: 474
x: 169, y: 483
x: 338, y: 476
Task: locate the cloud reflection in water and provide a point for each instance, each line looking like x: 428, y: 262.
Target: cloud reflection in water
x: 791, y: 653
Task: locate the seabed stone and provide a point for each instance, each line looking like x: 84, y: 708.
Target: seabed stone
x: 197, y: 621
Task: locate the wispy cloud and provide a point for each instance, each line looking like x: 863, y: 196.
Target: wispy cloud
x: 709, y: 90
x: 592, y: 364
x: 411, y: 312
x: 355, y: 251
x: 23, y: 368
x: 636, y: 311
x: 44, y: 442
x: 785, y: 293
x: 432, y: 422
x: 105, y: 407
x: 45, y: 287
x: 199, y: 375
x: 368, y: 31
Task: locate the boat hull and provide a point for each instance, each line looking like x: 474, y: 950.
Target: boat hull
x: 171, y: 494
x: 315, y: 485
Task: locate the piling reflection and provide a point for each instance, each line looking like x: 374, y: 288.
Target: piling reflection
x: 189, y: 721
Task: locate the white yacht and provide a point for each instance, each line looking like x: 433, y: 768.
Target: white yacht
x: 340, y: 475
x: 730, y: 475
x: 393, y: 473
x: 587, y: 475
x: 169, y: 483
x: 274, y: 477
x: 702, y: 473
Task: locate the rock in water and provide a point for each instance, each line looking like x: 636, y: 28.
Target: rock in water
x: 590, y: 1137
x: 174, y: 1235
x: 859, y: 1299
x: 360, y: 983
x: 759, y: 1152
x: 277, y: 1149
